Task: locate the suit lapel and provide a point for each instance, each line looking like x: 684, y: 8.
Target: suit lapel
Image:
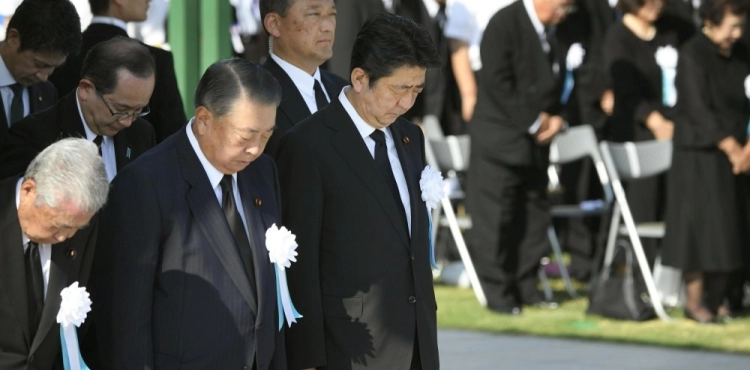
x: 58, y: 280
x: 123, y: 153
x: 12, y: 267
x: 211, y: 219
x: 534, y: 46
x: 3, y: 120
x: 36, y: 100
x: 353, y: 151
x: 292, y: 103
x: 257, y: 225
x: 403, y: 145
x: 71, y: 122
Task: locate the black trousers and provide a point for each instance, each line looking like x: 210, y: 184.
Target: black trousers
x: 510, y: 216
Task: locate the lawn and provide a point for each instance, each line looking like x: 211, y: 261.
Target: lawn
x: 458, y: 309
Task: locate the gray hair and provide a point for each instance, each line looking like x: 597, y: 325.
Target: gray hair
x: 70, y: 170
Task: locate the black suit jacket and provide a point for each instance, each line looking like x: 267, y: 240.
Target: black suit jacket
x: 516, y: 83
x: 167, y: 111
x: 32, y: 134
x: 70, y: 262
x: 350, y: 16
x: 362, y: 283
x: 293, y: 108
x: 172, y: 289
x: 42, y: 95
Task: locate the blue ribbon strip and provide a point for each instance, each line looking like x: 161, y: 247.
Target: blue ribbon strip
x: 279, y: 303
x: 567, y: 87
x: 66, y: 360
x: 432, y: 245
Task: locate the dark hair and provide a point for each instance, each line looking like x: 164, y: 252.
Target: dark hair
x: 48, y: 26
x: 105, y: 60
x: 273, y: 6
x: 227, y: 80
x: 630, y: 6
x: 99, y: 7
x: 714, y: 10
x: 387, y: 42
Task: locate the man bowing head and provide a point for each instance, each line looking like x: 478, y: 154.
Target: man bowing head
x: 350, y: 183
x: 186, y: 281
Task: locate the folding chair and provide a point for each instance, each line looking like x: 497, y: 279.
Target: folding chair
x: 449, y: 154
x: 629, y: 161
x: 574, y: 144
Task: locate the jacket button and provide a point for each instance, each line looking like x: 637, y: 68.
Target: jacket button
x: 258, y: 202
x: 412, y: 299
x: 406, y: 140
x: 412, y: 256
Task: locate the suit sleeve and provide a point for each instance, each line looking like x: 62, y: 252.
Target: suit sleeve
x: 128, y: 255
x: 497, y: 77
x: 278, y: 362
x: 700, y: 126
x: 302, y: 213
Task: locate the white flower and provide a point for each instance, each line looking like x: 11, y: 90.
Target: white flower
x: 281, y: 246
x: 431, y: 184
x: 747, y: 86
x: 74, y: 306
x: 666, y: 57
x: 575, y: 56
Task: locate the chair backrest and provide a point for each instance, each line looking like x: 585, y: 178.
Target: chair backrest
x: 576, y: 143
x: 451, y: 152
x: 629, y: 160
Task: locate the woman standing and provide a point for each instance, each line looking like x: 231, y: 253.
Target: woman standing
x: 707, y: 216
x: 640, y: 54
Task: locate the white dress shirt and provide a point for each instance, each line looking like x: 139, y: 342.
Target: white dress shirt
x: 45, y: 250
x: 215, y: 176
x: 365, y: 130
x: 6, y: 81
x: 304, y: 82
x: 108, y: 145
x: 466, y: 21
x: 110, y: 20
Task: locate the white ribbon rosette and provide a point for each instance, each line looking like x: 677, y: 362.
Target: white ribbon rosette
x: 666, y: 58
x: 74, y: 307
x: 431, y: 184
x: 281, y: 246
x: 747, y: 93
x: 576, y: 52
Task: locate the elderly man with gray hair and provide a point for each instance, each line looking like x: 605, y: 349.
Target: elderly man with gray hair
x: 46, y: 244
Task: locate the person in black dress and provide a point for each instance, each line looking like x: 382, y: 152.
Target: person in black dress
x: 707, y: 219
x: 642, y: 107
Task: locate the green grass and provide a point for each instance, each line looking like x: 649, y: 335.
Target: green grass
x: 459, y: 309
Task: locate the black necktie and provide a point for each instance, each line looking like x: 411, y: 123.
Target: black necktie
x: 549, y: 35
x: 98, y: 141
x: 320, y: 97
x: 16, y: 104
x: 384, y: 165
x: 238, y: 228
x: 34, y: 285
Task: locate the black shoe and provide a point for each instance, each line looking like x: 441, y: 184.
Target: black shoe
x: 689, y: 315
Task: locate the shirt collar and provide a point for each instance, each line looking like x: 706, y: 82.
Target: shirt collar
x: 538, y: 26
x: 110, y: 20
x: 363, y: 127
x: 90, y: 135
x: 24, y: 238
x: 304, y: 81
x: 6, y: 79
x: 214, y: 175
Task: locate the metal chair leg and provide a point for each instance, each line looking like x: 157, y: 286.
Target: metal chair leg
x: 560, y: 263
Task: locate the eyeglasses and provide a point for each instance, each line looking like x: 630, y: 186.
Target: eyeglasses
x: 119, y: 116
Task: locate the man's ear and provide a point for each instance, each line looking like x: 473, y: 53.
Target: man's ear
x: 203, y: 118
x: 360, y: 79
x: 13, y: 39
x: 272, y: 22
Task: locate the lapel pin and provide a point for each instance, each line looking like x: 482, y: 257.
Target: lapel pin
x: 40, y: 98
x: 258, y: 202
x: 70, y: 253
x: 127, y: 153
x: 406, y: 140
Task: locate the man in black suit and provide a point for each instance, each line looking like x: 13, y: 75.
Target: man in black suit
x: 184, y: 277
x: 40, y: 35
x: 301, y: 43
x: 110, y: 20
x: 106, y: 108
x: 350, y: 183
x: 46, y: 243
x: 517, y: 114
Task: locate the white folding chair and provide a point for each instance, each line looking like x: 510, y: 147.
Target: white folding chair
x: 574, y: 144
x: 629, y: 161
x: 449, y: 154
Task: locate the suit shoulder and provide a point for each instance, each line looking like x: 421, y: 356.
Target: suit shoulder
x: 340, y: 81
